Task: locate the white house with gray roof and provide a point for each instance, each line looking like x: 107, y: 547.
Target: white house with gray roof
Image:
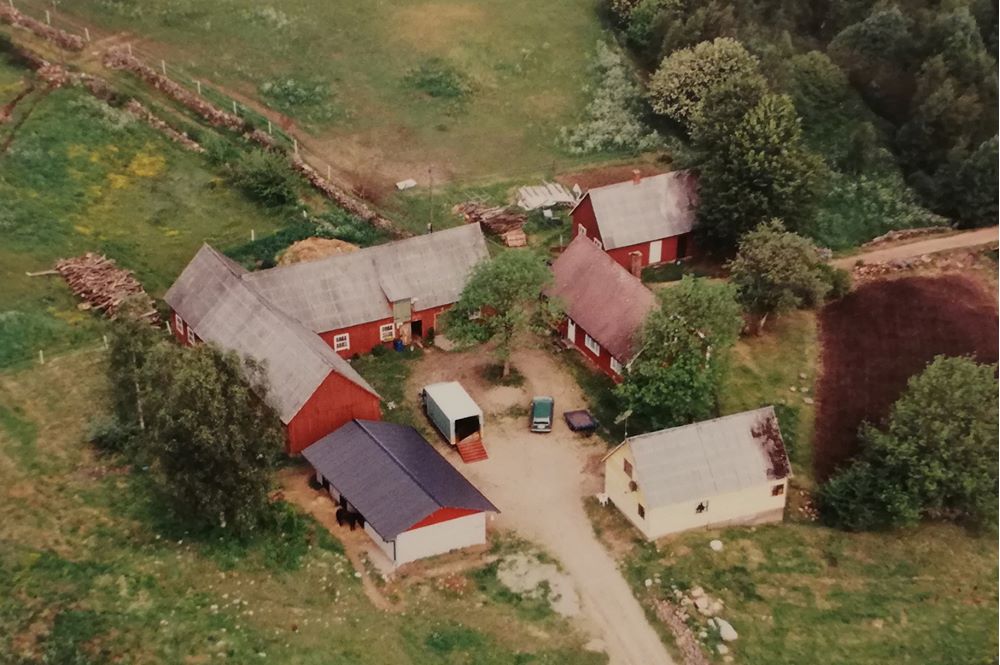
x: 730, y: 470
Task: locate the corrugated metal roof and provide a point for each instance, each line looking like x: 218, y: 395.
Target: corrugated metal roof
x: 603, y: 298
x: 658, y: 206
x: 702, y: 460
x: 392, y: 475
x: 213, y: 298
x: 451, y: 398
x: 350, y: 289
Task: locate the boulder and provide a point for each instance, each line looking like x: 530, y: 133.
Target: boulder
x: 716, y: 545
x: 722, y: 649
x: 726, y: 630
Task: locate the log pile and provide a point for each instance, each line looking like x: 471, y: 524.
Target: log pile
x: 60, y: 38
x: 497, y: 220
x: 104, y: 286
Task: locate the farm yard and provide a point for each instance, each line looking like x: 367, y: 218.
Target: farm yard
x: 879, y: 336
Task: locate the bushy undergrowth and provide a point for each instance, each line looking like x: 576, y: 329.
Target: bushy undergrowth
x: 265, y: 177
x: 614, y: 118
x: 436, y: 78
x: 309, y: 100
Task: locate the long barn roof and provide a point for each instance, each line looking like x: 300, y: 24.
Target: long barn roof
x: 213, y: 298
x: 392, y: 475
x: 659, y: 206
x: 606, y: 300
x: 350, y: 289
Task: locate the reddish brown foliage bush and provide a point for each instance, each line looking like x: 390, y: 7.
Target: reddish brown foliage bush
x: 880, y: 335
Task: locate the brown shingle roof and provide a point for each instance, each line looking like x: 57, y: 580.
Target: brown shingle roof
x: 603, y: 298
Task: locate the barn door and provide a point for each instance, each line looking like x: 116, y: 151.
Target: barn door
x: 655, y: 251
x: 570, y: 330
x: 402, y: 312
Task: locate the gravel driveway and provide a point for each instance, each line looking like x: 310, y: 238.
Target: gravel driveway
x: 539, y: 482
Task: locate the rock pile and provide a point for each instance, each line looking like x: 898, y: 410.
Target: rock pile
x: 60, y: 38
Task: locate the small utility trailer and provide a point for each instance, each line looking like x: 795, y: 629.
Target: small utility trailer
x: 580, y: 421
x: 457, y: 417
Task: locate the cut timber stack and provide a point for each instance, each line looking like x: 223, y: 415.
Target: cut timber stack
x: 105, y: 286
x: 496, y: 220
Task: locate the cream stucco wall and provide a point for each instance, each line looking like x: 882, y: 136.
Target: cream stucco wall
x: 751, y: 505
x: 441, y: 537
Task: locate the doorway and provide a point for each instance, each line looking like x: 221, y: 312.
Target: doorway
x: 417, y: 327
x: 682, y: 246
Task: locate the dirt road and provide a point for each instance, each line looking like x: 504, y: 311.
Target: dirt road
x: 921, y: 247
x: 539, y: 482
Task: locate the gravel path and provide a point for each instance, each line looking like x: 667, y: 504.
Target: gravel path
x: 921, y: 247
x: 539, y: 482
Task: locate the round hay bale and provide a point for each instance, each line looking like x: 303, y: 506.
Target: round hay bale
x: 312, y: 249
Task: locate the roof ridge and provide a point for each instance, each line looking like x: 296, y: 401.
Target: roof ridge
x: 397, y: 461
x: 699, y: 422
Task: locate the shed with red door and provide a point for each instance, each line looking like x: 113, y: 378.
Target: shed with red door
x: 605, y: 305
x: 312, y: 389
x: 642, y: 221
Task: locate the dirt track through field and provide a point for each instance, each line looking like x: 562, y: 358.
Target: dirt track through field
x: 920, y: 247
x: 539, y: 482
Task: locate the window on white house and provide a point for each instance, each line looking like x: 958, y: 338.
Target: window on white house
x: 341, y: 342
x: 600, y: 245
x: 702, y: 507
x: 778, y: 490
x: 387, y: 332
x: 642, y: 511
x: 628, y: 468
x: 594, y: 347
x: 616, y: 366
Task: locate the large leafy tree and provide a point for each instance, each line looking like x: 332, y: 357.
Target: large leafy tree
x: 675, y: 376
x: 776, y: 271
x: 760, y: 171
x: 685, y: 77
x: 502, y: 301
x: 130, y: 342
x: 935, y: 457
x: 211, y: 435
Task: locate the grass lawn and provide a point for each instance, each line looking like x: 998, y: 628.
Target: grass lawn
x: 473, y: 88
x: 79, y: 176
x: 89, y: 574
x: 388, y: 371
x: 798, y: 593
x: 762, y: 371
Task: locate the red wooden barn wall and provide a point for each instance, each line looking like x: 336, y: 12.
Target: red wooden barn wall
x: 336, y: 401
x: 603, y: 361
x: 365, y: 336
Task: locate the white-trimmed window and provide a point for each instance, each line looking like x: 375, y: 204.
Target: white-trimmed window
x: 581, y: 230
x: 597, y: 241
x: 179, y: 324
x: 192, y: 337
x: 594, y: 347
x: 616, y: 366
x: 341, y: 342
x: 387, y: 332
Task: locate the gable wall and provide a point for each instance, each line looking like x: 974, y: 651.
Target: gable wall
x: 335, y: 402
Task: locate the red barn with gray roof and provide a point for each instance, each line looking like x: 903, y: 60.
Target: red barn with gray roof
x: 605, y: 305
x: 413, y: 502
x: 642, y: 221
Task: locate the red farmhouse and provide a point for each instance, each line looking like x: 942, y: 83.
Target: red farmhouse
x: 303, y: 320
x: 642, y: 221
x: 605, y: 305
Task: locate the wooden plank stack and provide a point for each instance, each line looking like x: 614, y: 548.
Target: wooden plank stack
x: 104, y: 286
x: 496, y: 220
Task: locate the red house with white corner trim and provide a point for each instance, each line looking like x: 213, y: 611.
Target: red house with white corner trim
x: 606, y: 306
x: 642, y: 221
x: 409, y: 499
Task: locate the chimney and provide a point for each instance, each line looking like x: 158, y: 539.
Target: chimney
x: 636, y: 176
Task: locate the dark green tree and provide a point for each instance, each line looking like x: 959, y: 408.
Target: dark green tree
x: 212, y: 437
x: 501, y: 302
x: 130, y: 341
x: 973, y: 190
x: 266, y: 177
x: 761, y: 171
x: 675, y: 376
x: 934, y: 458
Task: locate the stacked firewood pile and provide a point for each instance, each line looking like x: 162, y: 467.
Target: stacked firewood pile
x: 496, y: 220
x: 104, y: 286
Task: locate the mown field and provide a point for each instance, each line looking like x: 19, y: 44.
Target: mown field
x: 469, y: 88
x: 90, y: 574
x: 78, y: 176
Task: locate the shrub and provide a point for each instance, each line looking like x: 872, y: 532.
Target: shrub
x: 219, y: 150
x: 436, y: 78
x: 111, y: 436
x: 266, y: 177
x: 838, y: 279
x: 305, y: 99
x: 614, y: 115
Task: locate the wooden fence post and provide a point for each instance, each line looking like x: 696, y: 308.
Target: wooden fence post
x: 48, y: 17
x: 86, y: 34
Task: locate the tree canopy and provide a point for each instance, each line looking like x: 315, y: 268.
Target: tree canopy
x: 935, y: 457
x: 501, y: 301
x: 776, y: 271
x: 675, y: 377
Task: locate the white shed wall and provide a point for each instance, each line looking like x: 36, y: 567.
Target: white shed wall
x: 441, y: 537
x: 386, y: 547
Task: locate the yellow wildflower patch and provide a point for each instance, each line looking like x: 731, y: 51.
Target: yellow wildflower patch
x: 171, y: 233
x: 118, y: 180
x: 76, y: 150
x: 146, y: 165
x: 83, y: 230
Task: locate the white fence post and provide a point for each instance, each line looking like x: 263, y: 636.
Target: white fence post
x: 163, y: 66
x: 295, y: 142
x: 269, y: 127
x: 198, y: 83
x: 328, y: 172
x: 253, y: 235
x: 129, y: 46
x: 235, y: 112
x: 48, y: 17
x: 41, y: 357
x: 86, y: 34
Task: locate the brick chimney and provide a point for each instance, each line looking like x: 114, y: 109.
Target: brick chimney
x: 636, y: 176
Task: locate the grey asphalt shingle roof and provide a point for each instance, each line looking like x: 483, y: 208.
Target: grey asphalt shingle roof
x: 703, y: 460
x: 659, y: 206
x: 392, y: 475
x: 600, y: 296
x: 350, y: 289
x: 212, y: 297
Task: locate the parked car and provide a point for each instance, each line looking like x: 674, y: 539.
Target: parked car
x: 542, y: 410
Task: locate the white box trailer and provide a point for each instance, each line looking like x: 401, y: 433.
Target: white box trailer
x: 452, y: 411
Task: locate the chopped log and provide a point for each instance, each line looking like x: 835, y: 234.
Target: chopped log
x: 104, y: 286
x: 497, y: 220
x: 41, y: 273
